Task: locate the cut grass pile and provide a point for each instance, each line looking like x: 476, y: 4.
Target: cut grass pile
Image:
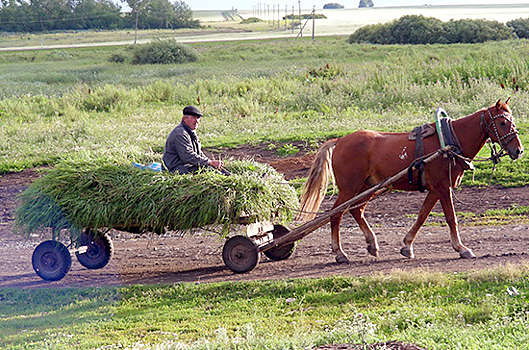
x: 120, y: 195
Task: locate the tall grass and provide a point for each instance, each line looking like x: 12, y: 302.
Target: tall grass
x: 250, y: 92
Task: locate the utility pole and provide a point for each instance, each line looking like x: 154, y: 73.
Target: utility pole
x: 300, y: 26
x: 136, y: 26
x: 313, y: 20
x: 286, y: 16
x: 278, y: 17
x: 292, y: 22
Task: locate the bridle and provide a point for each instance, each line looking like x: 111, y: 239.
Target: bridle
x: 491, y: 128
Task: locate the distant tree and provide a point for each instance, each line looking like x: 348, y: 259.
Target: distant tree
x: 160, y: 14
x: 14, y: 16
x: 49, y: 15
x: 366, y: 3
x: 97, y: 14
x: 333, y: 5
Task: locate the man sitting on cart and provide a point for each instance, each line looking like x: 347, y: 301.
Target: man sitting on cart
x: 183, y: 151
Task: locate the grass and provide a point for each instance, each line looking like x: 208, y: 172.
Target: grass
x: 75, y: 106
x: 474, y: 310
x: 73, y: 103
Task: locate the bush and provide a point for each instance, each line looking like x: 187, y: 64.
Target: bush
x: 476, y: 31
x: 167, y: 51
x: 414, y: 29
x: 251, y: 20
x: 520, y: 27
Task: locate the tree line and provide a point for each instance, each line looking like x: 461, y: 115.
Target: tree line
x: 51, y: 15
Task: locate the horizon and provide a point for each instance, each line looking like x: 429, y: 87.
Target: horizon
x: 223, y: 5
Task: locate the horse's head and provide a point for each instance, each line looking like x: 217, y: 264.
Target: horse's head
x: 498, y: 124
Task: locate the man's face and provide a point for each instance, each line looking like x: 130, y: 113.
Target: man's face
x: 192, y: 121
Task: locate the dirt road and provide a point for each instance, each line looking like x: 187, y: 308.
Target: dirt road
x: 197, y: 256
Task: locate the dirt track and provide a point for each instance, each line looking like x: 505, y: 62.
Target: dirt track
x: 197, y: 256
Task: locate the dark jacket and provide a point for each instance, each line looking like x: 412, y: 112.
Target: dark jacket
x: 183, y: 152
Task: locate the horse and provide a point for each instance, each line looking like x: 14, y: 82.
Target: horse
x: 364, y: 158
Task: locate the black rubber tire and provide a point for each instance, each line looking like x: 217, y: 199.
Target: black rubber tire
x: 51, y: 260
x: 240, y: 254
x: 100, y: 249
x: 283, y: 252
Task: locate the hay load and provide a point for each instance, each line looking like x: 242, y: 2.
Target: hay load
x: 122, y: 196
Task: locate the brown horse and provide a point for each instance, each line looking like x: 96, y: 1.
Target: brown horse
x: 365, y: 158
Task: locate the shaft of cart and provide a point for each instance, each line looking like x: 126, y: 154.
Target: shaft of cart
x: 299, y: 232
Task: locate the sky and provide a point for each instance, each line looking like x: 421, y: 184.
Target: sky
x: 308, y: 4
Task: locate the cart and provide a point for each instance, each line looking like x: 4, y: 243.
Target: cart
x: 52, y: 259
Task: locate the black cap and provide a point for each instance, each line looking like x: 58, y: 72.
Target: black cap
x: 192, y: 110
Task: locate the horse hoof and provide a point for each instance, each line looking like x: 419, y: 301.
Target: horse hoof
x: 342, y: 259
x: 467, y: 254
x: 372, y: 250
x: 407, y: 252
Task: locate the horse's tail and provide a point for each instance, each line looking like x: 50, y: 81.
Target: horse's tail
x: 316, y: 186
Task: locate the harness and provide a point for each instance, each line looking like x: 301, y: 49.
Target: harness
x: 447, y: 137
x: 492, y: 128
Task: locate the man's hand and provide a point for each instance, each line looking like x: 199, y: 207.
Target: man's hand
x: 216, y: 163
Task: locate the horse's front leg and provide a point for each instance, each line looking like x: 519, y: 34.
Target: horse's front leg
x: 451, y: 220
x: 427, y: 206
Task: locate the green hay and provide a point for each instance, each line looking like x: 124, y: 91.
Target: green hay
x: 120, y: 195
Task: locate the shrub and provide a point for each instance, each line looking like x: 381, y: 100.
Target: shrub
x: 520, y: 27
x: 476, y: 31
x: 415, y: 29
x: 251, y: 20
x: 117, y: 57
x: 166, y: 51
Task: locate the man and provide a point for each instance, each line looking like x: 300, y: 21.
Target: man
x: 183, y: 152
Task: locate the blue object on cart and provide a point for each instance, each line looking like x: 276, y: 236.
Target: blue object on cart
x: 151, y: 166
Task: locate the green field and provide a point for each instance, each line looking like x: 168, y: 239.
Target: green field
x: 75, y: 105
x: 59, y: 104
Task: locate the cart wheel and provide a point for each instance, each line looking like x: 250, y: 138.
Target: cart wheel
x: 240, y: 254
x: 99, y: 252
x: 282, y: 252
x: 51, y: 260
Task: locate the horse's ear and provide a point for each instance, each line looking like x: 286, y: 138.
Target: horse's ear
x: 498, y: 104
x: 507, y: 102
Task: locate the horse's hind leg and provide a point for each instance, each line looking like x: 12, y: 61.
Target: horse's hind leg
x: 426, y: 208
x: 341, y: 257
x: 371, y: 239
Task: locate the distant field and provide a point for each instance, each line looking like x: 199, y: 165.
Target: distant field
x: 216, y: 28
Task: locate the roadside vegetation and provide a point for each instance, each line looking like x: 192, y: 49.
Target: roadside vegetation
x: 467, y: 311
x: 79, y: 106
